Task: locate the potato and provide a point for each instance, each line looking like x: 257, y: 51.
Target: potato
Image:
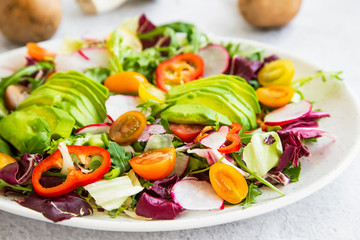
x: 269, y: 13
x: 25, y: 21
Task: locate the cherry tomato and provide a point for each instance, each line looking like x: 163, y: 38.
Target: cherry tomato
x: 148, y: 91
x: 154, y: 164
x: 5, y: 160
x: 38, y: 53
x: 128, y: 127
x: 180, y: 69
x: 228, y: 182
x: 124, y: 82
x: 186, y: 132
x: 278, y: 72
x: 275, y: 96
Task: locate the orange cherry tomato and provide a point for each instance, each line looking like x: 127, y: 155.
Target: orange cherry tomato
x: 186, y: 132
x: 5, y: 160
x: 275, y: 95
x: 228, y: 182
x: 154, y: 164
x: 128, y: 127
x: 124, y: 82
x: 38, y: 53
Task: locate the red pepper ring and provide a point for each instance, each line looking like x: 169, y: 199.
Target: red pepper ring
x: 180, y: 69
x: 234, y: 138
x: 76, y: 178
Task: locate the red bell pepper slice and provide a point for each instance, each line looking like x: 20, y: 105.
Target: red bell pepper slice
x: 234, y: 138
x: 180, y: 69
x: 76, y: 178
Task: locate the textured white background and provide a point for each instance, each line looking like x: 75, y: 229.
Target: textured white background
x: 324, y: 32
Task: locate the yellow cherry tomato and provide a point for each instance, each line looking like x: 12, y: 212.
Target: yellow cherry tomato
x: 5, y: 160
x: 278, y: 72
x: 124, y: 82
x: 149, y: 91
x: 275, y: 96
x: 228, y: 182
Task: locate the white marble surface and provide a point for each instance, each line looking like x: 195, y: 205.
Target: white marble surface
x: 325, y: 32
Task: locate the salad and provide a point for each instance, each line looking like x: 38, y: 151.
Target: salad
x: 151, y: 121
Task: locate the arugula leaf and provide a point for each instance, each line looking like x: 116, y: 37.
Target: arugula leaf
x: 119, y: 158
x: 324, y: 76
x: 25, y: 189
x: 98, y: 74
x: 250, y: 197
x: 196, y: 164
x: 292, y: 172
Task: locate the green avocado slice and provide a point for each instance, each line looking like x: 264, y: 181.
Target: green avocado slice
x: 194, y: 114
x: 26, y: 131
x: 216, y: 103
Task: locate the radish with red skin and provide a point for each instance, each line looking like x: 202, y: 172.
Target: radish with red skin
x: 116, y: 105
x: 216, y: 140
x: 216, y: 59
x: 97, y: 128
x: 82, y: 59
x: 181, y: 164
x: 149, y: 130
x: 196, y: 195
x: 288, y: 113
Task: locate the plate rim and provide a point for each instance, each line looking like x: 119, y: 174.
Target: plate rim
x: 206, y: 221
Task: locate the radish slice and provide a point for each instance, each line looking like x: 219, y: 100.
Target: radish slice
x: 181, y: 164
x: 216, y: 139
x: 97, y: 128
x: 149, y: 130
x: 83, y: 59
x: 216, y: 59
x: 117, y: 105
x: 288, y: 113
x: 196, y: 195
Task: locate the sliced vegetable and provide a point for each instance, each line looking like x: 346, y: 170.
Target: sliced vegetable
x: 288, y: 113
x: 216, y: 140
x: 180, y: 69
x: 228, y: 183
x: 278, y: 72
x: 97, y: 128
x: 216, y: 59
x: 128, y: 127
x: 116, y: 105
x: 154, y: 164
x: 124, y: 82
x: 196, y: 195
x: 148, y: 91
x: 181, y: 164
x: 159, y: 141
x: 186, y: 132
x: 75, y: 178
x: 275, y: 95
x: 39, y: 53
x: 233, y: 143
x: 203, y: 133
x: 149, y: 130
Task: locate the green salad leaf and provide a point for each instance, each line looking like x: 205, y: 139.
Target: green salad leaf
x: 253, y: 192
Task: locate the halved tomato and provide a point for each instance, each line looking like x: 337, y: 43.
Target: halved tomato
x: 124, y: 82
x: 154, y: 164
x: 128, y: 127
x: 186, y: 132
x: 38, y: 53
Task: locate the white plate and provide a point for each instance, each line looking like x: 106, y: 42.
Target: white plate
x: 328, y: 159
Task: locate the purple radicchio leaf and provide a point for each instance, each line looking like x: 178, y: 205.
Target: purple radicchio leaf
x: 277, y: 177
x: 161, y: 188
x: 244, y: 68
x: 157, y: 208
x: 19, y: 172
x: 314, y: 115
x: 57, y: 208
x: 271, y: 58
x: 269, y: 140
x: 145, y: 25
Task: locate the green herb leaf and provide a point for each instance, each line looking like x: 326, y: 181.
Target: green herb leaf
x: 292, y: 172
x: 252, y: 194
x: 324, y: 76
x: 119, y: 158
x: 98, y: 74
x: 24, y: 189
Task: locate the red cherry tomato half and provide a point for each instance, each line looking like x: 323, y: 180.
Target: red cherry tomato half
x: 186, y: 132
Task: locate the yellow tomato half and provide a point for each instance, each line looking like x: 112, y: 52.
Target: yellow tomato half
x: 278, y: 72
x: 149, y: 91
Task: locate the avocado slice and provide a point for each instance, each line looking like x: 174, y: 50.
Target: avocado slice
x: 86, y: 91
x: 215, y: 102
x: 60, y: 122
x: 194, y: 114
x: 26, y: 131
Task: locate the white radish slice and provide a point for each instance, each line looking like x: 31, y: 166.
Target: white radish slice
x: 216, y: 139
x: 211, y: 155
x: 181, y: 164
x: 82, y: 59
x: 6, y: 71
x: 116, y: 105
x: 288, y: 113
x: 149, y: 130
x: 216, y: 59
x: 196, y: 195
x: 67, y: 161
x: 97, y: 128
